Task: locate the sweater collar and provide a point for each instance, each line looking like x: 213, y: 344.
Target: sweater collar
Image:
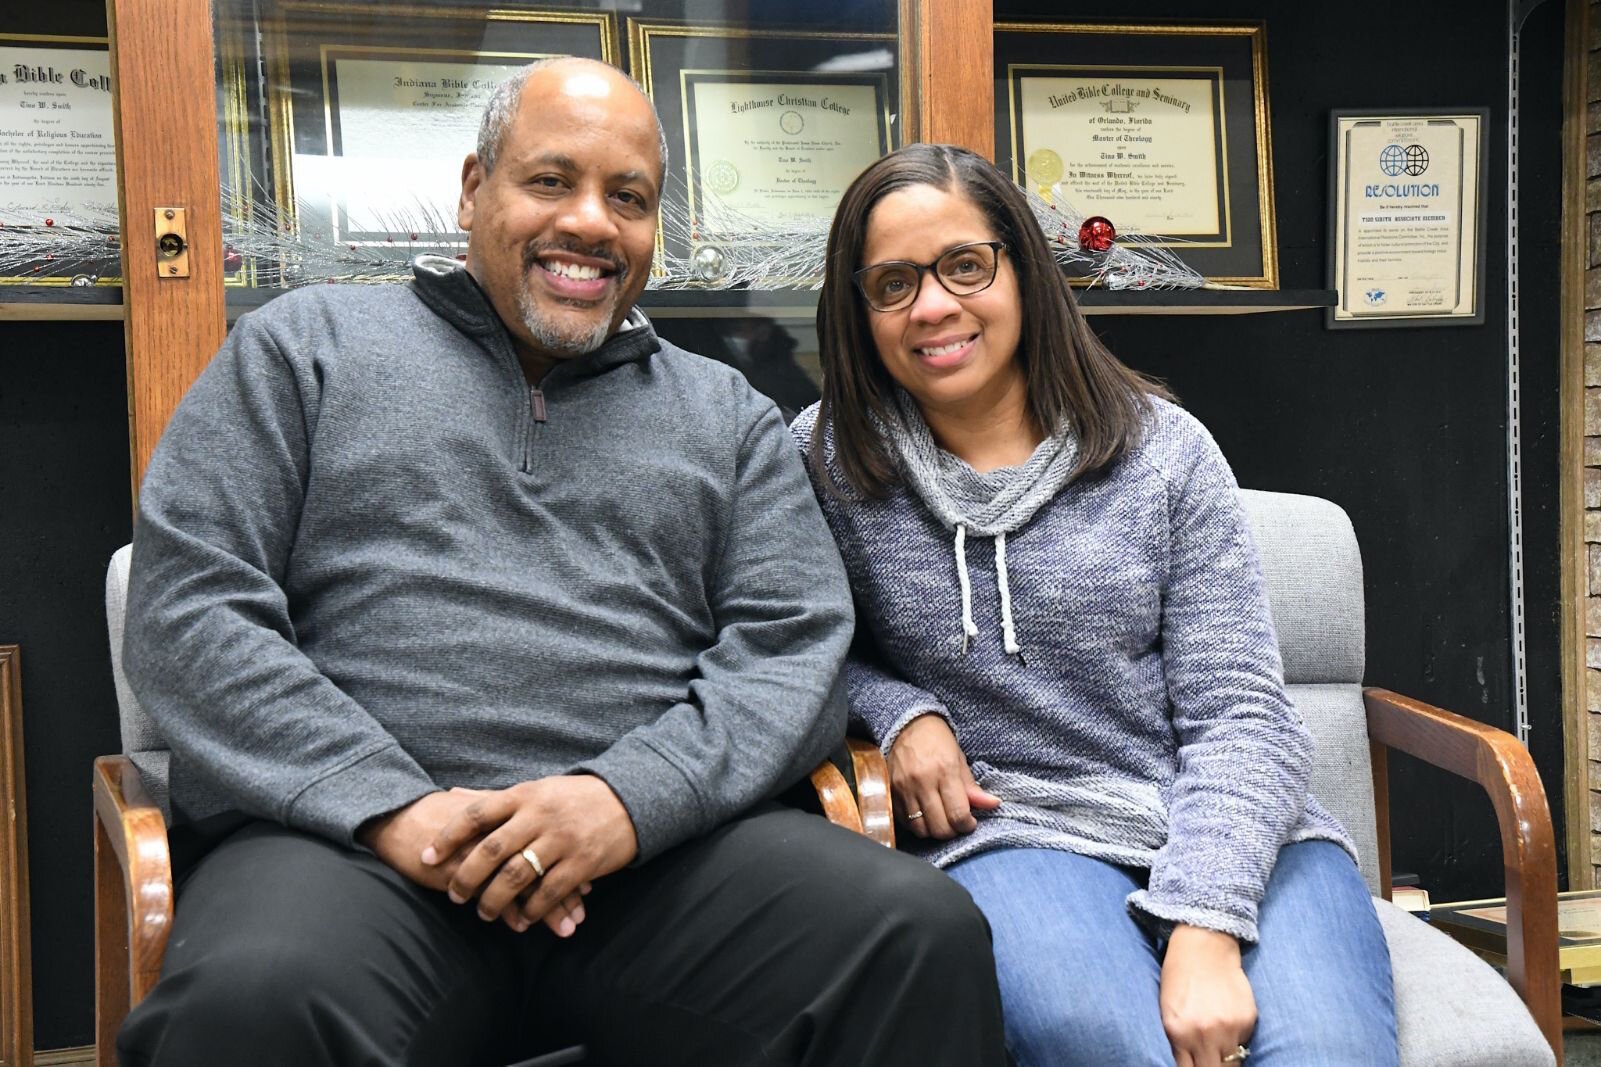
x: 455, y: 296
x: 967, y: 502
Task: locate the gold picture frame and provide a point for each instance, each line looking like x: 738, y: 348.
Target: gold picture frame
x: 1183, y: 171
x: 299, y: 119
x: 65, y: 266
x: 670, y: 60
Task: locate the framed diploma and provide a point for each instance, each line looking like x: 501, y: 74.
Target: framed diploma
x: 1406, y: 217
x: 1163, y: 129
x: 58, y: 162
x: 765, y: 130
x: 368, y: 115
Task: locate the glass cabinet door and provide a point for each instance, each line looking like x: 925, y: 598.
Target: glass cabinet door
x: 343, y: 125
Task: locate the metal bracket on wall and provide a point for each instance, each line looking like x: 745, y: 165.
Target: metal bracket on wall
x: 172, y: 243
x: 1517, y: 13
x: 1520, y: 12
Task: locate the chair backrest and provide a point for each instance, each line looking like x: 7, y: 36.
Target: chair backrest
x: 141, y: 741
x: 1314, y: 580
x: 1314, y: 583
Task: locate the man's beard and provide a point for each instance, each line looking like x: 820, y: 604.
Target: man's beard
x: 566, y: 340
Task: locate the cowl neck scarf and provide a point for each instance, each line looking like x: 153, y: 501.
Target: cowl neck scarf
x: 991, y: 504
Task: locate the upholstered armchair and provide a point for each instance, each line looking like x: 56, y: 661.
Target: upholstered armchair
x: 1452, y: 1009
x: 133, y: 868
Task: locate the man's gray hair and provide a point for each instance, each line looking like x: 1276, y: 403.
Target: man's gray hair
x: 503, y: 103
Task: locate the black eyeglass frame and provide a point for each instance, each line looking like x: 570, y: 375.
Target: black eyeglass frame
x: 928, y: 268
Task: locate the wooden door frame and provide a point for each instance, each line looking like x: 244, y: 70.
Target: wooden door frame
x: 948, y: 75
x: 164, y: 106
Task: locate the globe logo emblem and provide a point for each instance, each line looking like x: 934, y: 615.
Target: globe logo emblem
x: 1395, y: 160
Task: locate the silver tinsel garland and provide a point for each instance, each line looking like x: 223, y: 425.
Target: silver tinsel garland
x: 266, y: 249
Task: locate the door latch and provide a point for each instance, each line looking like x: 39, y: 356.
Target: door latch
x: 172, y: 243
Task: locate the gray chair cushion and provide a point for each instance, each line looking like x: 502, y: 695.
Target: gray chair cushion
x: 1314, y: 583
x: 1451, y: 1008
x: 139, y: 734
x: 1342, y: 769
x: 141, y: 741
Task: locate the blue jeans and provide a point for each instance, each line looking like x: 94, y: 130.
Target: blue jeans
x: 1079, y: 977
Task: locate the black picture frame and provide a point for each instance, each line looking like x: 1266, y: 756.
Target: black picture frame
x: 295, y: 114
x: 665, y: 57
x: 1232, y: 57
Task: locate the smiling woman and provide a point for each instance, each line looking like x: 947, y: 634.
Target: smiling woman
x: 1091, y: 719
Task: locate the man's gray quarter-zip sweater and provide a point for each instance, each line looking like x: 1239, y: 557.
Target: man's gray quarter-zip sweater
x: 371, y: 562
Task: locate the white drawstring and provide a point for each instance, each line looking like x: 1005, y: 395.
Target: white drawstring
x: 1007, y: 630
x: 969, y: 627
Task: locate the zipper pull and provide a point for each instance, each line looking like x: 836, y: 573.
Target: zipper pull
x: 538, y: 400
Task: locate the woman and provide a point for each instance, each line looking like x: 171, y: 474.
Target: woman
x: 1065, y: 650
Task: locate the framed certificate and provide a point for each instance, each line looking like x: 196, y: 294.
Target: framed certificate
x: 58, y: 162
x: 1163, y: 129
x: 765, y: 128
x: 1406, y: 217
x: 369, y: 114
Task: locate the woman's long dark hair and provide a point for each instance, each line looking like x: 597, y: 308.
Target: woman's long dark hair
x: 1069, y: 376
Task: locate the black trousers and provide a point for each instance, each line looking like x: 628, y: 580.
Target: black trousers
x: 777, y: 939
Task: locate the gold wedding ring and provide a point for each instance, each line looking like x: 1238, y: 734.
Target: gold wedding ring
x: 533, y: 861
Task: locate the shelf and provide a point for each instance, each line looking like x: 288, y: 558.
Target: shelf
x: 1203, y: 301
x: 105, y: 302
x: 74, y: 302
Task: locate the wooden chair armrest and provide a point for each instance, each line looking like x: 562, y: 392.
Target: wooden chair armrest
x: 839, y: 807
x: 1496, y: 761
x: 872, y: 790
x: 130, y: 827
x: 867, y: 812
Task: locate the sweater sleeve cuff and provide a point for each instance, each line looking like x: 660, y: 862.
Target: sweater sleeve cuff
x: 1160, y: 916
x: 916, y: 711
x: 661, y: 801
x: 335, y: 805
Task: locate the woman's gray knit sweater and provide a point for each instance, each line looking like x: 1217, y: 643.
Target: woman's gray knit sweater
x: 1144, y: 721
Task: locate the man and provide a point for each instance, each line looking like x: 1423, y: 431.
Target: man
x: 458, y: 600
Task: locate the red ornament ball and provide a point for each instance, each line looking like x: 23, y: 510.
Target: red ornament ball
x: 1096, y: 234
x: 49, y: 222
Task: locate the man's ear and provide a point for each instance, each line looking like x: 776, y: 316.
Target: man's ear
x: 472, y: 176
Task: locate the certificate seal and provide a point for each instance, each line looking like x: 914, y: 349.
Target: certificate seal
x: 1045, y: 166
x: 792, y: 122
x: 722, y: 177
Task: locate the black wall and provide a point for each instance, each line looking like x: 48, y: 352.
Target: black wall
x: 64, y: 509
x: 1403, y: 428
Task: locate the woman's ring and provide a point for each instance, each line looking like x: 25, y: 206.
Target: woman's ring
x: 533, y: 861
x: 918, y: 814
x: 1238, y: 1055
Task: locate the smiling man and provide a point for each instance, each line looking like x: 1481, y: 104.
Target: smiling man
x: 484, y: 627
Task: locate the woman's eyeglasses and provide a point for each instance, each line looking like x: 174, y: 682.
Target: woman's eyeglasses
x: 963, y: 271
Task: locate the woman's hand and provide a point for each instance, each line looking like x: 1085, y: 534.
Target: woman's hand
x: 1208, y: 1009
x: 930, y: 776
